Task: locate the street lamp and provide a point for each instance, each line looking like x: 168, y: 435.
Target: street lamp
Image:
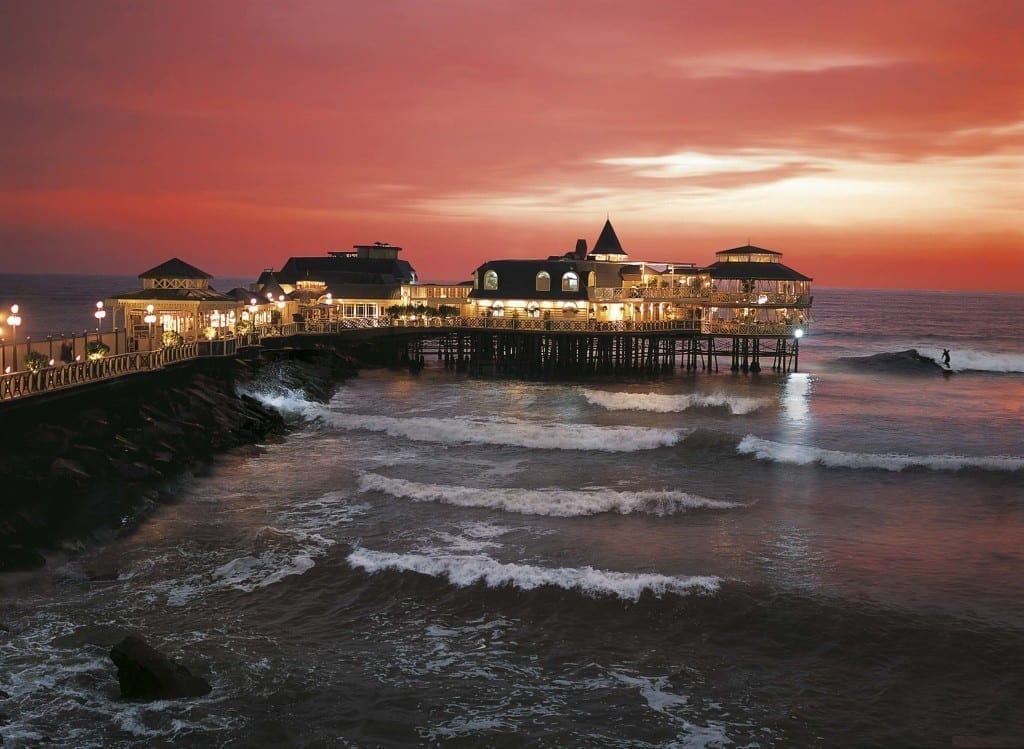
x: 150, y: 318
x: 14, y: 320
x: 99, y: 314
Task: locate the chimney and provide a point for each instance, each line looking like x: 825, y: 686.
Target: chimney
x: 581, y: 249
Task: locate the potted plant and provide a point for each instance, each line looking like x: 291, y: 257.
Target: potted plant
x: 171, y: 338
x: 243, y: 326
x: 36, y: 361
x: 96, y: 350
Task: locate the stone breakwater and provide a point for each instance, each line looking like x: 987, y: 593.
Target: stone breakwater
x: 89, y: 464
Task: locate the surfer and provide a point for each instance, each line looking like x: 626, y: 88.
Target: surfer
x: 945, y: 357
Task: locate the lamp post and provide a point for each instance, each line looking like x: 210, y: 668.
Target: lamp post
x: 149, y: 319
x: 99, y: 314
x: 14, y: 320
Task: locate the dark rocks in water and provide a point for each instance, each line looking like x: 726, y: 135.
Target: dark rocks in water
x: 147, y: 674
x: 898, y: 362
x: 90, y: 461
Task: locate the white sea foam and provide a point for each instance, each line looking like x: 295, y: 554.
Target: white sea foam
x: 622, y: 401
x: 285, y: 400
x: 466, y: 570
x: 277, y: 558
x: 511, y: 432
x: 984, y: 361
x: 781, y: 452
x: 653, y: 690
x: 554, y: 502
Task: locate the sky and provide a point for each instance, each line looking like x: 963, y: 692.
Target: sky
x: 875, y: 144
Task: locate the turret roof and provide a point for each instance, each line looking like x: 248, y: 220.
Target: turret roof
x: 175, y: 268
x: 608, y: 242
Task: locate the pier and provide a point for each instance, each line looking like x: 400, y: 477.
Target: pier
x: 532, y: 348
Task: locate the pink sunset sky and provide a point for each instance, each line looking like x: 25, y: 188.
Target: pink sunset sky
x: 875, y: 144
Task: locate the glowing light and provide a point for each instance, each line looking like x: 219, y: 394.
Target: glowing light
x: 798, y: 333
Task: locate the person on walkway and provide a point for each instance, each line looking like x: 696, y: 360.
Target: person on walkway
x: 67, y: 354
x: 945, y: 357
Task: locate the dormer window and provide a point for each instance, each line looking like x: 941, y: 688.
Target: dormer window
x: 570, y: 282
x: 491, y: 281
x: 543, y: 281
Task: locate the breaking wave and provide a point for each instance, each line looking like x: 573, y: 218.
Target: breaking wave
x: 912, y: 361
x: 466, y: 570
x: 780, y: 452
x: 285, y: 400
x: 622, y: 401
x: 552, y: 502
x: 511, y: 432
x: 278, y: 554
x: 969, y: 360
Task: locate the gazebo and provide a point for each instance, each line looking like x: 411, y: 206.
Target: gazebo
x: 178, y: 298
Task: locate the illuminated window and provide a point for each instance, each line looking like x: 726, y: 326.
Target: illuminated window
x: 543, y: 281
x: 592, y: 279
x: 570, y: 282
x: 491, y: 281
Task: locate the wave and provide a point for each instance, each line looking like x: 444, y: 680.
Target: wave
x: 780, y: 452
x: 511, y: 432
x: 970, y: 360
x: 466, y: 570
x: 622, y: 401
x: 552, y: 502
x: 276, y: 559
x: 288, y: 401
x: 912, y: 361
x: 897, y: 362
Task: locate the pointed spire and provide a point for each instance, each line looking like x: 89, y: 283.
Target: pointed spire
x: 607, y: 243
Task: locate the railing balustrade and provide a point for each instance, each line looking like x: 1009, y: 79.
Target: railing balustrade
x: 25, y: 383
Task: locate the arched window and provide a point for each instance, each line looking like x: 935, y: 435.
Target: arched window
x: 543, y: 281
x: 570, y: 282
x: 491, y: 281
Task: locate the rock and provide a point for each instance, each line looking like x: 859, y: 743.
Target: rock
x: 145, y: 673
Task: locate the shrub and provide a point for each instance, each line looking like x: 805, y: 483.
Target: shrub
x: 36, y: 361
x: 171, y: 338
x: 96, y: 350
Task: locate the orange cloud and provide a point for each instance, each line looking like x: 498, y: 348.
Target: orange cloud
x: 245, y: 133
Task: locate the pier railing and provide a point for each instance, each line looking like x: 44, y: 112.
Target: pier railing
x: 59, y: 376
x: 27, y: 382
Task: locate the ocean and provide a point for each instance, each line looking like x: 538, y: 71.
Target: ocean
x: 831, y: 557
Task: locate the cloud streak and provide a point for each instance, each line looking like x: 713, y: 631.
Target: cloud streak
x: 470, y: 130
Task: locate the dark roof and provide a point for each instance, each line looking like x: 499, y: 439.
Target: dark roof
x: 517, y: 279
x: 346, y: 269
x: 767, y: 271
x: 243, y: 295
x: 266, y: 277
x: 181, y: 295
x: 748, y: 249
x: 271, y: 287
x: 608, y: 242
x: 175, y: 268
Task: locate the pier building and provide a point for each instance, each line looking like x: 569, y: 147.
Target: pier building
x: 602, y: 310
x: 583, y: 311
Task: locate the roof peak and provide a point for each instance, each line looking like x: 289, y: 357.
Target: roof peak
x: 175, y: 268
x: 608, y: 243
